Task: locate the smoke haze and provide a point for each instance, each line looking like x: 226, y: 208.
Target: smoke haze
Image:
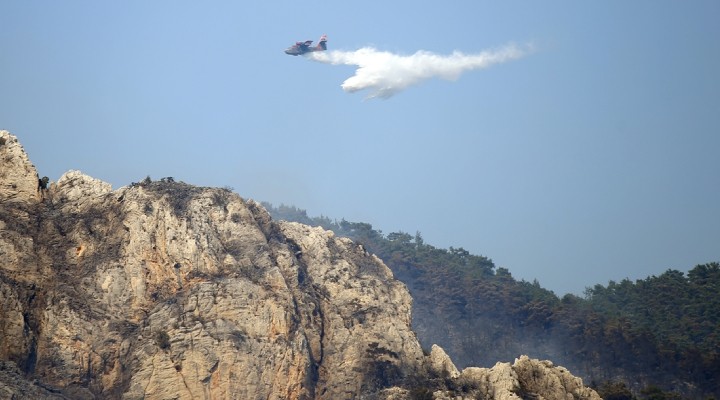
x: 385, y: 74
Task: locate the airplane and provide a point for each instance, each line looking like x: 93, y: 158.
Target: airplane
x: 300, y: 48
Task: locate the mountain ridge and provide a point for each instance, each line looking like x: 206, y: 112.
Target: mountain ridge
x: 167, y: 290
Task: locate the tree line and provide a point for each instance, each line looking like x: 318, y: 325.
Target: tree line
x: 655, y: 338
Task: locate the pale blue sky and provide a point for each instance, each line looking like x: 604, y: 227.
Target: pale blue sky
x: 594, y: 158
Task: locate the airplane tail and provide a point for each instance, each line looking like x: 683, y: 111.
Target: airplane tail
x: 322, y: 44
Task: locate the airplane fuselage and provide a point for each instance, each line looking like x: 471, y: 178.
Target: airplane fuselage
x: 300, y: 48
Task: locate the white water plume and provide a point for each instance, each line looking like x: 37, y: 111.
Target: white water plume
x: 385, y: 74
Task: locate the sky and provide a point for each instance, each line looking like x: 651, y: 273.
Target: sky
x: 591, y: 157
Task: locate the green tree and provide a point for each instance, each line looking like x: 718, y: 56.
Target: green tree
x: 615, y: 391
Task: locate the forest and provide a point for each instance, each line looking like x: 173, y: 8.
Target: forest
x: 655, y: 338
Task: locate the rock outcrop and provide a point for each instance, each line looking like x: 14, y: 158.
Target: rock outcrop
x: 526, y: 378
x: 440, y: 364
x: 18, y: 177
x: 164, y: 290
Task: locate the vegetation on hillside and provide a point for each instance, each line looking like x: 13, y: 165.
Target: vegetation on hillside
x: 657, y: 337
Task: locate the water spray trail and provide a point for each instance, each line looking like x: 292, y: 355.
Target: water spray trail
x: 385, y: 74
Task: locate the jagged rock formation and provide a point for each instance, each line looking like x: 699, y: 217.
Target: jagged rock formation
x: 440, y: 363
x: 13, y: 385
x: 164, y: 290
x: 18, y: 177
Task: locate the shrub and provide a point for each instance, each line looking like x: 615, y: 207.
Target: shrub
x: 421, y: 393
x: 43, y: 183
x: 162, y: 339
x: 615, y: 391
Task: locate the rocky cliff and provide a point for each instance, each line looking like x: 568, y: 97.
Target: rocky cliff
x: 163, y: 290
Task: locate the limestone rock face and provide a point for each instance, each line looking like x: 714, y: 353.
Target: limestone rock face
x: 542, y: 378
x: 13, y: 385
x: 441, y: 364
x: 76, y: 188
x: 524, y: 379
x: 18, y: 177
x: 163, y: 290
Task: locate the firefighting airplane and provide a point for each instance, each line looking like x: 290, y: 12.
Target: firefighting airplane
x: 300, y: 48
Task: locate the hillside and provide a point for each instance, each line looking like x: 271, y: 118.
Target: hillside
x: 163, y: 290
x: 662, y: 332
